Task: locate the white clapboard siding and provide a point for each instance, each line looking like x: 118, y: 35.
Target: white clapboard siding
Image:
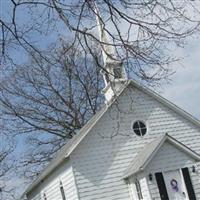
x: 51, y: 185
x: 169, y: 158
x: 100, y: 159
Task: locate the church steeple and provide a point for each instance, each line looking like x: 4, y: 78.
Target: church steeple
x: 114, y: 73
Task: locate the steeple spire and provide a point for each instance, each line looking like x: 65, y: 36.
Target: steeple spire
x: 108, y: 50
x: 114, y: 72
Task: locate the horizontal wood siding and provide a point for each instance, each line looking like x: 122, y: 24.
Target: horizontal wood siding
x: 101, y: 158
x: 169, y: 158
x: 51, y: 185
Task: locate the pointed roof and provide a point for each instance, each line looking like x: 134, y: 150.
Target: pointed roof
x: 69, y: 147
x: 144, y: 157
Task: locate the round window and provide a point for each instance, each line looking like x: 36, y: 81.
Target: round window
x: 139, y: 128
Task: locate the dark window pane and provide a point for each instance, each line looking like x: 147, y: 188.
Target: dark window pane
x: 139, y: 128
x: 144, y: 131
x: 142, y: 125
x: 137, y: 132
x: 136, y: 125
x: 117, y: 72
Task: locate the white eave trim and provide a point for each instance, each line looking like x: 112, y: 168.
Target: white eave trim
x: 172, y: 141
x: 177, y: 144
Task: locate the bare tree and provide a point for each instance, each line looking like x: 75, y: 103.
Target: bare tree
x: 7, y: 146
x: 5, y: 150
x: 48, y: 103
x: 51, y: 96
x: 142, y: 31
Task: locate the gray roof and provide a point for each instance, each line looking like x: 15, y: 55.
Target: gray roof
x: 143, y: 158
x: 67, y: 149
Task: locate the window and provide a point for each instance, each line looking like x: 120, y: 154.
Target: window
x: 44, y: 196
x: 135, y: 189
x: 139, y: 128
x: 62, y: 191
x: 138, y: 190
x: 117, y: 72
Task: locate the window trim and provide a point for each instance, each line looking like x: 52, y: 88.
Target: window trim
x: 135, y: 194
x: 62, y: 191
x: 138, y: 189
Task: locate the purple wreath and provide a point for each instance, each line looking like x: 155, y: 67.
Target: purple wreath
x: 174, y: 184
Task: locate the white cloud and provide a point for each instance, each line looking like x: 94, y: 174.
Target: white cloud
x: 185, y: 88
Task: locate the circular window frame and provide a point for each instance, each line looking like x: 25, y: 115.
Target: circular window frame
x: 146, y: 126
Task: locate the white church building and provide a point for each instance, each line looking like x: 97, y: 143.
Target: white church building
x: 139, y: 146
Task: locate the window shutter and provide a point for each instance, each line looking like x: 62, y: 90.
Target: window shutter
x: 188, y: 183
x: 161, y: 186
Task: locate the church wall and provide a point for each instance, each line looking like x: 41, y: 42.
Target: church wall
x: 51, y: 185
x: 101, y: 158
